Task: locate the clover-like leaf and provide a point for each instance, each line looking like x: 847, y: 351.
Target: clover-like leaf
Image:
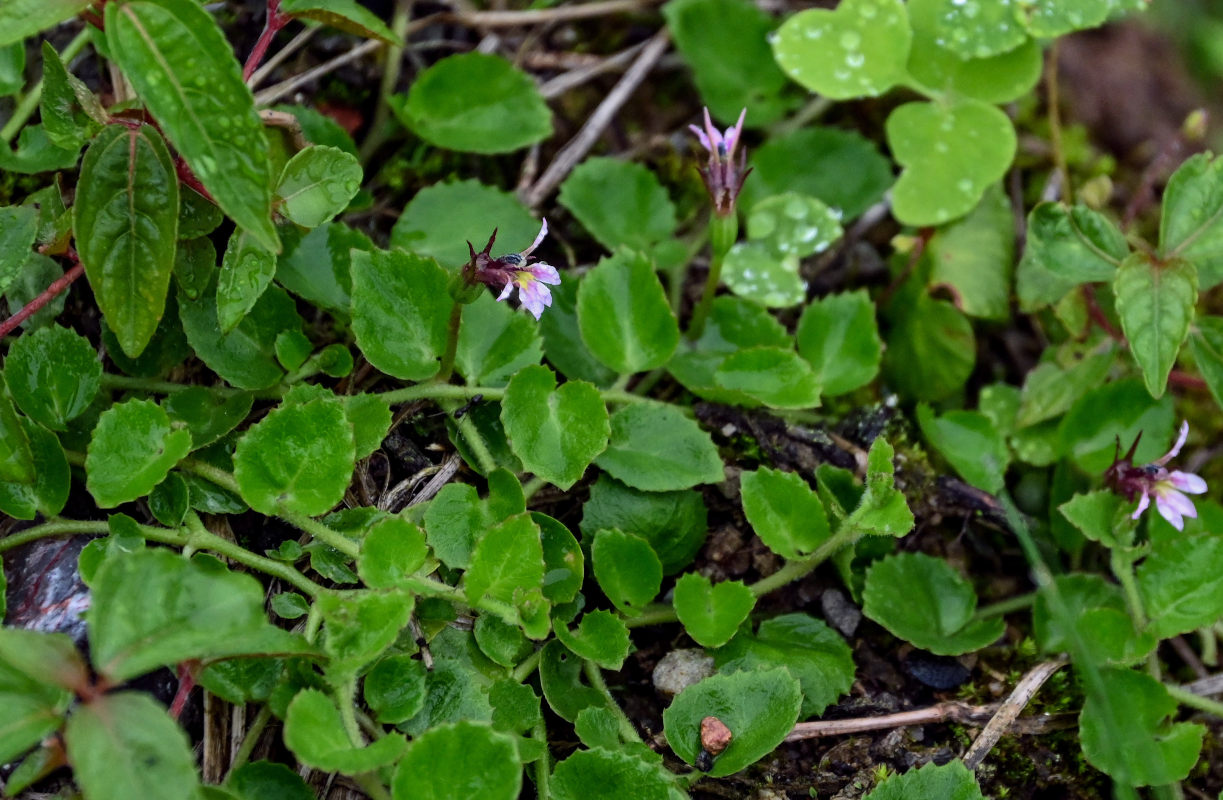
x: 858, y: 49
x: 556, y: 432
x: 476, y: 103
x: 758, y: 706
x: 977, y: 28
x: 298, y: 458
x: 656, y: 448
x: 951, y: 152
x: 711, y: 614
x: 318, y: 183
x: 132, y: 448
x: 601, y: 637
x: 924, y: 601
x: 754, y: 272
x: 1155, y: 302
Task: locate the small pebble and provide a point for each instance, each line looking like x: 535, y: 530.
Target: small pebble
x: 679, y: 669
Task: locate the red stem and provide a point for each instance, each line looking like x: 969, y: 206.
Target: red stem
x: 51, y: 291
x: 186, y: 682
x: 271, y: 26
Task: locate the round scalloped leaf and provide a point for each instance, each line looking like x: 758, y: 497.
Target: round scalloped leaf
x: 53, y: 375
x: 793, y: 224
x: 624, y: 316
x: 711, y: 614
x: 812, y: 652
x: 654, y: 447
x: 952, y: 781
x: 441, y: 219
x: 1048, y: 19
x: 674, y: 523
x: 774, y: 376
x: 754, y: 272
x: 619, y: 202
x: 838, y: 335
x: 1182, y: 584
x: 316, y: 735
x: 318, y: 183
x: 132, y: 449
x: 858, y: 49
x: 391, y: 551
x: 507, y: 562
x: 556, y: 432
x: 601, y: 637
x: 395, y: 688
x: 759, y: 706
x: 459, y: 761
x: 924, y: 601
x: 494, y: 342
x: 784, y: 511
x: 977, y: 28
x: 950, y: 153
x: 400, y: 311
x: 40, y: 484
x: 208, y: 414
x: 627, y: 569
x: 475, y: 103
x: 842, y: 168
x: 1126, y: 732
x: 298, y: 458
x: 609, y: 775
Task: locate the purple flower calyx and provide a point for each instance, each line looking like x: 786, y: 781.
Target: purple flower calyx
x: 1155, y: 481
x: 514, y: 270
x: 723, y: 173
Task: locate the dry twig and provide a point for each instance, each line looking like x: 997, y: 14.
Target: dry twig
x: 1008, y: 712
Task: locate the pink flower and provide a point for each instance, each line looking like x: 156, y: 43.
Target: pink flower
x: 1155, y: 480
x: 515, y: 270
x: 723, y: 176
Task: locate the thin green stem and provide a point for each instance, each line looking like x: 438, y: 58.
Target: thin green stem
x: 527, y: 666
x: 1187, y: 698
x: 201, y: 538
x: 474, y: 439
x: 543, y: 766
x: 701, y: 313
x: 372, y: 786
x: 345, y: 695
x: 333, y: 539
x: 220, y: 477
x: 595, y: 676
x: 251, y: 738
x: 531, y: 487
x: 1017, y: 603
x: 438, y: 391
x: 655, y: 614
x: 47, y: 530
x: 111, y: 381
x: 314, y: 620
x: 452, y: 343
x: 1210, y: 646
x: 29, y: 104
x: 791, y: 571
x: 1053, y: 97
x: 1123, y: 569
x: 390, y: 78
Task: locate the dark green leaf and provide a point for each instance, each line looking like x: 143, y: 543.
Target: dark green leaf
x: 560, y: 676
x: 1181, y: 583
x: 184, y: 70
x: 315, y: 734
x: 400, y: 309
x: 774, y: 376
x: 1155, y: 303
x: 18, y: 230
x: 563, y: 560
x: 345, y: 15
x: 972, y: 257
x: 494, y: 342
x: 395, y: 688
x: 931, y: 348
x: 674, y: 523
x: 441, y: 219
x: 1066, y: 247
x: 317, y: 266
x: 626, y: 568
x: 1115, y: 411
x: 265, y: 780
x: 1191, y: 226
x: 170, y: 500
x: 563, y: 343
x: 620, y: 203
x: 208, y: 414
x: 70, y: 112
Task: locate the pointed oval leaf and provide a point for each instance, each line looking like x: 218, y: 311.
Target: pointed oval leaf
x: 784, y: 511
x: 345, y: 15
x: 183, y: 68
x: 970, y: 442
x: 22, y: 18
x: 18, y: 230
x: 246, y: 271
x: 126, y: 222
x: 556, y: 432
x: 1191, y: 224
x: 298, y: 458
x: 1155, y: 303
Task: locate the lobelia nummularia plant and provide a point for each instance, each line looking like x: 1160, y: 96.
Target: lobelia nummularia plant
x: 418, y: 629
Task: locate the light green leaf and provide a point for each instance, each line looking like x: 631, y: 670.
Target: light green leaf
x: 601, y: 637
x: 391, y: 551
x: 246, y: 271
x: 125, y: 222
x: 358, y: 626
x: 972, y: 258
x: 132, y: 448
x: 494, y: 342
x: 1206, y: 346
x: 18, y: 230
x: 838, y: 336
x: 23, y: 18
x: 601, y: 774
x: 952, y: 781
x: 1048, y: 19
x: 774, y: 376
x: 858, y: 49
x: 1155, y: 303
x: 1191, y: 225
x: 315, y: 734
x: 53, y: 375
x: 439, y: 765
x: 46, y: 490
x: 345, y: 15
x: 70, y: 112
x: 784, y: 512
x: 711, y: 614
x: 318, y: 183
x: 977, y: 29
x: 624, y: 316
x: 619, y: 202
x: 754, y: 272
x: 441, y: 219
x: 1181, y: 583
x: 183, y: 68
x: 627, y: 569
x: 1066, y: 247
x: 654, y: 447
x: 556, y: 432
x: 970, y: 443
x: 508, y: 561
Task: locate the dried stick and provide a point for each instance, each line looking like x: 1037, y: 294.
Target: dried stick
x: 276, y: 59
x: 509, y: 19
x: 580, y: 145
x: 279, y: 90
x: 1008, y: 712
x: 579, y: 75
x: 950, y: 711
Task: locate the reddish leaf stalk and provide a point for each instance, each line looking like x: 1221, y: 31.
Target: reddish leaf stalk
x: 271, y: 26
x: 59, y: 285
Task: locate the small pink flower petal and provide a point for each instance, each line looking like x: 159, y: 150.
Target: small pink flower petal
x: 543, y: 231
x: 535, y: 297
x: 1176, y: 448
x: 544, y: 273
x: 701, y: 137
x: 1167, y: 497
x: 1169, y: 513
x: 1187, y: 482
x: 1143, y: 502
x: 731, y: 137
x: 715, y: 138
x: 509, y: 287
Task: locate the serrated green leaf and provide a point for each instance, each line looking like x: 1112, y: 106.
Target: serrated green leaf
x: 508, y: 561
x: 125, y: 745
x: 439, y: 765
x: 560, y: 678
x: 711, y: 614
x: 315, y: 734
x: 1050, y: 390
x: 784, y: 512
x: 358, y: 626
x: 952, y: 781
x: 494, y: 342
x: 475, y: 103
x: 1126, y: 734
x: 774, y: 376
x: 733, y: 324
x: 839, y: 337
x: 53, y: 375
x: 563, y: 343
x: 626, y: 568
x: 1095, y: 616
x: 951, y: 153
x: 656, y: 448
x: 392, y: 550
x: 858, y: 49
x: 132, y: 448
x: 674, y: 523
x: 970, y: 443
x: 208, y: 414
x: 1191, y: 224
x: 1181, y: 584
x: 924, y: 601
x: 557, y: 432
x: 317, y: 266
x: 1094, y: 514
x: 395, y: 688
x: 18, y: 230
x: 318, y: 183
x: 619, y: 202
x: 125, y: 221
x: 46, y: 491
x: 1066, y: 247
x: 32, y: 711
x: 184, y: 70
x: 758, y: 706
x: 1155, y: 303
x: 298, y: 458
x: 601, y: 637
x: 624, y: 316
x: 609, y: 775
x: 154, y: 607
x: 400, y: 310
